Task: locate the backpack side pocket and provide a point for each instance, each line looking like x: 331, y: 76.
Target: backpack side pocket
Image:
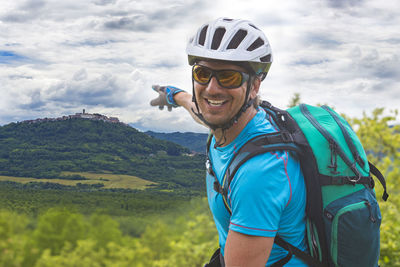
x: 352, y: 224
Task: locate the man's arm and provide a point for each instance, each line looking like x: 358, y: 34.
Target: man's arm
x: 247, y: 251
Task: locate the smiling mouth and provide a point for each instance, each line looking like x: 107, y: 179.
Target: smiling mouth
x: 216, y: 103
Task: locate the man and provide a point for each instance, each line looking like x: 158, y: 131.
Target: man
x: 230, y: 58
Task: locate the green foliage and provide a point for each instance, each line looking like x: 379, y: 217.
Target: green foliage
x: 194, y: 141
x: 73, y: 177
x: 295, y: 100
x: 131, y: 208
x: 104, y: 230
x: 66, y: 238
x: 56, y: 227
x: 383, y: 146
x: 377, y: 137
x: 13, y: 239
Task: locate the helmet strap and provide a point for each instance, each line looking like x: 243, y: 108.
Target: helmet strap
x: 247, y: 103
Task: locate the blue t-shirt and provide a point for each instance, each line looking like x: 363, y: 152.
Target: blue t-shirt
x: 267, y: 196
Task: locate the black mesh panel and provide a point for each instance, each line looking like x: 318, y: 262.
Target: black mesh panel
x: 256, y: 44
x: 202, y: 37
x: 266, y: 58
x: 237, y: 39
x: 218, y: 35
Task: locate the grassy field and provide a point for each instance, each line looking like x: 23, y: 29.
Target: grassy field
x: 109, y: 180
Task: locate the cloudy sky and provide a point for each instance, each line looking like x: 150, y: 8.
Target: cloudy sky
x: 59, y: 57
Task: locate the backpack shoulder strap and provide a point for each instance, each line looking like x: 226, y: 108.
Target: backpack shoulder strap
x: 255, y: 146
x: 305, y: 257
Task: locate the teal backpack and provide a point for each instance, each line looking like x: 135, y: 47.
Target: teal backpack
x: 343, y: 215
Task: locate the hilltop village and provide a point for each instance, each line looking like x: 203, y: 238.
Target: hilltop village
x: 83, y: 115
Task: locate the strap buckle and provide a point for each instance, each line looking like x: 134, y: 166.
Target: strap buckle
x: 209, y: 167
x: 356, y: 179
x: 287, y: 137
x: 371, y: 182
x: 218, y: 188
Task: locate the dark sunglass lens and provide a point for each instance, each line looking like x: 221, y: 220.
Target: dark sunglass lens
x: 201, y: 75
x: 230, y: 78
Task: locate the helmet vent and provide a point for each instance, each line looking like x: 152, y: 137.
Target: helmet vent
x: 226, y: 19
x: 202, y: 37
x: 256, y: 44
x: 237, y: 39
x: 266, y: 58
x: 217, y: 38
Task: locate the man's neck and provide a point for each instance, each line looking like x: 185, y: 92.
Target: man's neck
x: 230, y: 134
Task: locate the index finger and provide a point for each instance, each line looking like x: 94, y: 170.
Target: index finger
x: 156, y: 87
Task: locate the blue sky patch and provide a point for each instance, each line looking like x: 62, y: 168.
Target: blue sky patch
x: 7, y: 57
x: 310, y: 62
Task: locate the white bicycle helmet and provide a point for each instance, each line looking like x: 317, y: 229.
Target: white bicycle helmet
x: 231, y: 40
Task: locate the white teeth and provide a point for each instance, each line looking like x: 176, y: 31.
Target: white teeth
x: 215, y: 103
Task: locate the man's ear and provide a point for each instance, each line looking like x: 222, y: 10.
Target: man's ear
x: 256, y: 87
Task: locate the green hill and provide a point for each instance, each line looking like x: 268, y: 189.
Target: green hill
x: 64, y: 149
x: 196, y: 142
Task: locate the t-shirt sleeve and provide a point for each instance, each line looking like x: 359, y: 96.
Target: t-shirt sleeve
x: 259, y: 193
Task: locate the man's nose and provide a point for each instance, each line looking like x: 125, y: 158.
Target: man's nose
x: 213, y: 86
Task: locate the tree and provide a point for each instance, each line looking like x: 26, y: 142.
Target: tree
x: 295, y: 100
x: 103, y: 229
x: 57, y: 227
x: 13, y: 240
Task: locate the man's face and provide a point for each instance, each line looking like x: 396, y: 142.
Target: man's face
x: 217, y: 104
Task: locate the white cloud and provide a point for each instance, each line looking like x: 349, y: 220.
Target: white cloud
x: 80, y: 75
x: 57, y: 57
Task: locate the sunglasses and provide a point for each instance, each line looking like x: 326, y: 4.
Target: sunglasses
x: 228, y: 79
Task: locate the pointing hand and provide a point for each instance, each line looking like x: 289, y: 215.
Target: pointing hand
x: 165, y: 97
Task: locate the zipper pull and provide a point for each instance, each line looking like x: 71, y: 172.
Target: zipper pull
x: 371, y: 216
x: 333, y: 165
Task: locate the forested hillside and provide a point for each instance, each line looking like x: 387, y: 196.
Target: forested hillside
x: 47, y: 149
x: 194, y: 141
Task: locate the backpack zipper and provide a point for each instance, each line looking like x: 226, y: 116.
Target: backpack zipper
x: 347, y: 137
x: 371, y: 215
x: 334, y: 146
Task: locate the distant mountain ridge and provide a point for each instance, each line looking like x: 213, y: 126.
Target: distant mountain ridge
x: 196, y: 142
